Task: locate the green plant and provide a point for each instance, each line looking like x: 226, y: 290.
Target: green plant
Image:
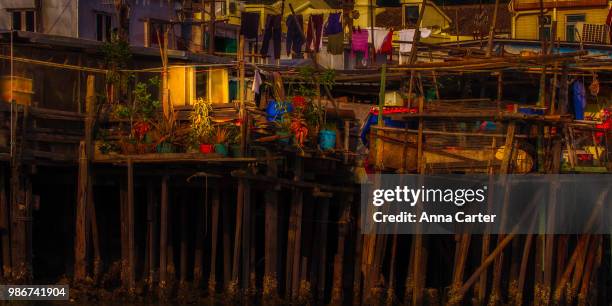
x: 221, y: 134
x: 142, y: 107
x: 201, y: 121
x: 284, y: 124
x: 330, y: 126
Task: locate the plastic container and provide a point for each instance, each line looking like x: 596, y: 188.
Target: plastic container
x: 206, y: 148
x: 327, y: 139
x: 275, y: 110
x: 221, y: 149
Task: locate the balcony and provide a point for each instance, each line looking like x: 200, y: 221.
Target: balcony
x: 525, y: 5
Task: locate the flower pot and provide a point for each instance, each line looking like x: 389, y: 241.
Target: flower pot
x: 221, y: 149
x: 165, y: 147
x: 206, y: 148
x: 235, y: 149
x: 284, y: 137
x: 327, y: 139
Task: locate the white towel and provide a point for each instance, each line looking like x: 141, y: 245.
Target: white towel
x: 408, y: 35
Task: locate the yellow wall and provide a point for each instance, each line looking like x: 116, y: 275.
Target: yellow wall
x: 525, y: 24
x: 181, y: 81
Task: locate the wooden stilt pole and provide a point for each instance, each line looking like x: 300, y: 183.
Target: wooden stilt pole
x: 343, y: 231
x: 80, y: 240
x: 271, y: 250
x: 163, y: 234
x: 123, y: 231
x: 5, y: 227
x: 244, y: 188
x: 151, y: 233
x: 130, y: 227
x: 233, y: 287
x: 184, y: 243
x: 297, y: 198
x: 212, y: 280
x: 322, y: 218
x: 227, y: 243
x: 199, y: 243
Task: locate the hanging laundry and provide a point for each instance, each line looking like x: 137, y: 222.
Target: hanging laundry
x: 425, y: 32
x: 335, y: 43
x: 294, y: 35
x: 256, y: 82
x: 579, y: 99
x: 360, y: 42
x: 406, y: 35
x: 249, y: 25
x: 379, y: 38
x: 333, y: 25
x: 272, y: 32
x: 387, y: 45
x: 313, y: 33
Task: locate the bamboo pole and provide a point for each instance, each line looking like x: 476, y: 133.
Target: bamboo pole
x: 492, y: 27
x: 241, y: 91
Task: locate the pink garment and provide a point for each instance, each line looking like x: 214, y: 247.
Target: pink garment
x: 360, y: 42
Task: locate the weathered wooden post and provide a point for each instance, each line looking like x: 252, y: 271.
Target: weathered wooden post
x: 5, y: 227
x: 163, y: 234
x: 271, y: 251
x: 212, y: 280
x: 80, y: 239
x: 131, y: 274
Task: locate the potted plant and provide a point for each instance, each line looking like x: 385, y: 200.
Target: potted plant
x: 234, y: 141
x: 221, y: 137
x: 201, y: 125
x: 327, y: 137
x: 283, y: 130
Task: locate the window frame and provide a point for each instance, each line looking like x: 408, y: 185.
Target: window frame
x: 405, y: 14
x: 23, y: 19
x: 103, y: 26
x: 572, y: 25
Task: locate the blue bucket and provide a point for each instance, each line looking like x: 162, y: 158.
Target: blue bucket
x: 275, y: 110
x: 327, y: 139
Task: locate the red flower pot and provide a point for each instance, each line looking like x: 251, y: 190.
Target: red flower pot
x: 206, y: 148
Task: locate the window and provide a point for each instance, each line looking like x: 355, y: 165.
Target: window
x: 201, y: 84
x: 570, y: 26
x: 545, y: 27
x: 411, y: 15
x: 24, y: 20
x: 103, y: 27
